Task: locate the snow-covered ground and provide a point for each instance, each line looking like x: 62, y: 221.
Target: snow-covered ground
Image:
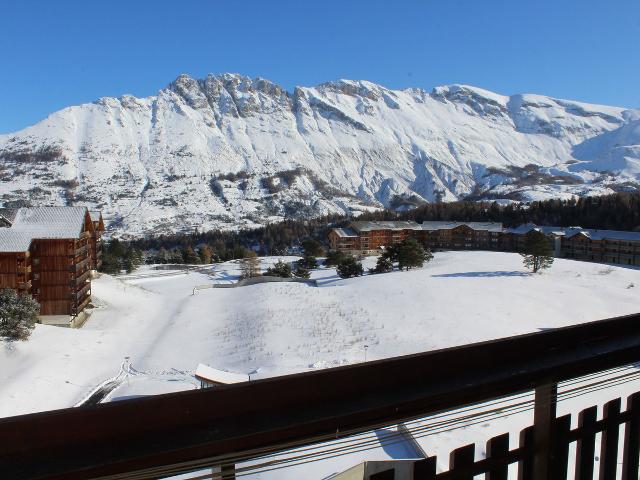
x: 277, y: 328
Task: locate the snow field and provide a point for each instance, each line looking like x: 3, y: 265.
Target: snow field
x: 279, y: 328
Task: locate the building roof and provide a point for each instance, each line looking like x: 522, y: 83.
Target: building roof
x: 12, y: 241
x: 345, y: 232
x: 213, y: 375
x: 41, y: 223
x: 489, y: 226
x: 8, y: 213
x: 569, y: 232
x: 364, y: 226
x: 603, y: 234
x: 546, y: 229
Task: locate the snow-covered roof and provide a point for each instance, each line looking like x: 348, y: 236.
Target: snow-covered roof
x: 546, y: 229
x: 604, y: 234
x: 12, y: 241
x: 364, y: 226
x: 569, y: 232
x: 41, y: 223
x: 490, y: 226
x: 345, y: 232
x: 95, y: 215
x: 50, y: 222
x: 8, y: 213
x: 213, y: 375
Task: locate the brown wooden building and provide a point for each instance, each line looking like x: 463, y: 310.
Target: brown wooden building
x: 96, y: 239
x: 49, y: 252
x: 608, y: 246
x: 371, y: 236
x: 363, y: 237
x: 462, y: 235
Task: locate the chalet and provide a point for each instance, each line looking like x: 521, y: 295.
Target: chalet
x: 462, y: 235
x: 609, y: 246
x: 48, y: 252
x: 514, y: 238
x: 371, y: 236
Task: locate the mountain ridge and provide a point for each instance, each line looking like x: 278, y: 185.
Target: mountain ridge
x: 229, y: 151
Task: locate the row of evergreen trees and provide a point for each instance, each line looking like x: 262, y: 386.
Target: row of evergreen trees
x: 619, y: 211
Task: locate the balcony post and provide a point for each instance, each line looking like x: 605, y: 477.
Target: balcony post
x: 544, y: 416
x: 228, y: 471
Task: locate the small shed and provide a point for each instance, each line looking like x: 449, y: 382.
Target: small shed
x: 211, y: 377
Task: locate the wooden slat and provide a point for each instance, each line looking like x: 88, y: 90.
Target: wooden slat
x: 425, y: 469
x: 586, y: 444
x: 525, y: 465
x: 631, y: 457
x: 497, y: 449
x: 461, y: 462
x: 610, y: 435
x: 544, y: 416
x: 386, y: 475
x: 560, y: 448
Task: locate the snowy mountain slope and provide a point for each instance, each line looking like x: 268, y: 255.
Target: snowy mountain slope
x: 232, y: 151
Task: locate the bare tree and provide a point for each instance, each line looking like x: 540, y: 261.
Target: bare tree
x: 250, y: 265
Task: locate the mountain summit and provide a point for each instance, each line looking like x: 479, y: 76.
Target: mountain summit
x: 228, y: 151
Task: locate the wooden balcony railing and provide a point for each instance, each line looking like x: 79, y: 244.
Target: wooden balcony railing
x: 81, y: 291
x: 81, y: 278
x: 81, y: 306
x: 80, y: 265
x: 80, y: 250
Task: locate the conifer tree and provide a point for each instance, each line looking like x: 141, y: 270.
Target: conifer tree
x: 349, y: 267
x: 308, y: 261
x: 334, y: 257
x: 176, y: 257
x: 163, y: 256
x: 18, y: 315
x: 538, y: 253
x: 409, y: 253
x: 311, y: 247
x: 383, y: 265
x: 279, y: 269
x: 110, y: 264
x: 302, y: 272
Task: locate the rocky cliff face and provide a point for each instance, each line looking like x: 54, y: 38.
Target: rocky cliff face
x: 228, y: 151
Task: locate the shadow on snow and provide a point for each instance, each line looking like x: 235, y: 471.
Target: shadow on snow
x: 484, y: 274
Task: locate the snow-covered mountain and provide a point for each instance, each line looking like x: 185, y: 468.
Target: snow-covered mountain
x: 231, y: 151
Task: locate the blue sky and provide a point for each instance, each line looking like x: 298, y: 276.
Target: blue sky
x: 55, y: 54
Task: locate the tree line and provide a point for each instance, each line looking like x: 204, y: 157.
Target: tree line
x: 619, y: 211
